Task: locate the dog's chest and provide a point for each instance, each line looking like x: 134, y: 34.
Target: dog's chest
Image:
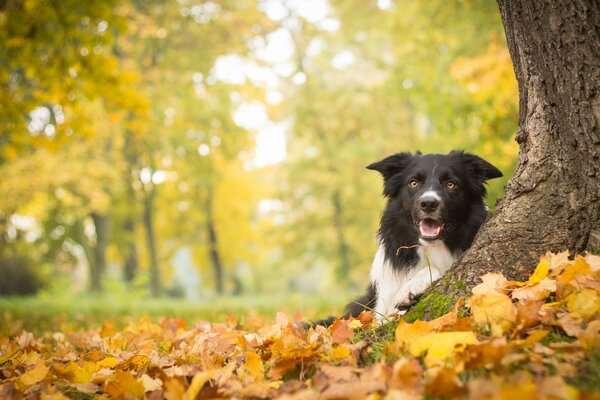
x: 396, y: 287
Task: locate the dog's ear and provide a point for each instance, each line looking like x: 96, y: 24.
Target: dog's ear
x: 479, y: 166
x: 391, y: 165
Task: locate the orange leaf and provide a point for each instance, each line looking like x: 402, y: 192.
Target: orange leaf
x: 340, y: 331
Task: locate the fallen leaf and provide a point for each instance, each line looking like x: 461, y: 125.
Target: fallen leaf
x: 407, y: 333
x: 340, y: 331
x: 355, y: 324
x: 123, y: 385
x: 442, y: 345
x: 198, y: 381
x: 572, y: 325
x: 585, y: 303
x: 491, y: 283
x: 35, y: 375
x: 151, y: 384
x: 579, y: 266
x: 541, y: 271
x: 493, y: 310
x: 252, y: 367
x: 538, y: 291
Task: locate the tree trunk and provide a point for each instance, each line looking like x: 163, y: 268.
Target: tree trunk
x: 213, y: 242
x: 132, y: 260
x: 344, y: 261
x: 102, y: 225
x: 155, y: 286
x: 552, y: 203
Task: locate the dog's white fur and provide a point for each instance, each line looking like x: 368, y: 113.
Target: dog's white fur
x: 395, y: 287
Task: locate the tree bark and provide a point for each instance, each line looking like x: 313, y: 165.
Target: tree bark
x: 552, y: 203
x: 213, y: 243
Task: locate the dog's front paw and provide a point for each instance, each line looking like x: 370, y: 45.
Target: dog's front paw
x: 408, y: 303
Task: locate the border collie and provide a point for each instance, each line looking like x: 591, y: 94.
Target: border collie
x: 435, y: 207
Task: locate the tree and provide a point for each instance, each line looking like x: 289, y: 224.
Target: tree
x: 552, y: 203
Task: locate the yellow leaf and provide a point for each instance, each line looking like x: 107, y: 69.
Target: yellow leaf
x: 579, y: 266
x: 109, y: 362
x: 585, y: 303
x: 407, y: 333
x: 494, y: 310
x: 541, y: 271
x: 355, y: 324
x: 521, y: 391
x: 198, y: 382
x: 121, y: 385
x: 440, y: 346
x: 340, y: 353
x: 108, y: 329
x: 35, y: 375
x: 254, y: 367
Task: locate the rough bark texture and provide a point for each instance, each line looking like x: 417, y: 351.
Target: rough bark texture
x: 553, y: 200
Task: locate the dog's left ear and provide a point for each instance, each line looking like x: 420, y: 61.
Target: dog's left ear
x: 391, y: 165
x: 480, y: 167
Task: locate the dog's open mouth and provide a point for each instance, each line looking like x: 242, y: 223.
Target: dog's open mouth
x: 430, y: 228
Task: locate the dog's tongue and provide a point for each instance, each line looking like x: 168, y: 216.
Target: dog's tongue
x: 430, y: 227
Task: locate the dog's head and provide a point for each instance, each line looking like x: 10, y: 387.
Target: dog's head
x: 437, y: 192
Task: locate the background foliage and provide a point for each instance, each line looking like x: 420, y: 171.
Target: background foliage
x: 202, y: 148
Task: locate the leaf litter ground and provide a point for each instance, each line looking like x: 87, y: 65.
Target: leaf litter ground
x: 537, y: 339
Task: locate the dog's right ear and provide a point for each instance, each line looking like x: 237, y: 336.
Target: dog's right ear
x: 391, y: 165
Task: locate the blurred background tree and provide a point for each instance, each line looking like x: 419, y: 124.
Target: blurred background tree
x: 201, y: 148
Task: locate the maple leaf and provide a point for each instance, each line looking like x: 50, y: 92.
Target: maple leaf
x: 441, y: 345
x: 123, y: 385
x: 491, y: 282
x: 584, y: 303
x: 340, y: 331
x: 36, y: 374
x: 494, y: 310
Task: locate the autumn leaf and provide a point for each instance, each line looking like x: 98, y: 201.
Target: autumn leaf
x: 340, y: 331
x: 493, y: 310
x: 199, y: 380
x: 123, y: 385
x: 584, y: 303
x: 491, y: 282
x: 440, y: 346
x: 35, y: 375
x: 541, y: 271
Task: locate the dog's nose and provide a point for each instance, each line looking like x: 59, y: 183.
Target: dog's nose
x: 429, y: 203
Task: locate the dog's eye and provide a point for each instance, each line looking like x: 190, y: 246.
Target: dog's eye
x: 413, y: 184
x: 451, y: 185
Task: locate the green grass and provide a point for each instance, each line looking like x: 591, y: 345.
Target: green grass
x: 68, y: 313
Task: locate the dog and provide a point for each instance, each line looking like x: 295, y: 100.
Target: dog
x: 434, y: 209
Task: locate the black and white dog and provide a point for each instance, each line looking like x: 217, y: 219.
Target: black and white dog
x: 435, y: 207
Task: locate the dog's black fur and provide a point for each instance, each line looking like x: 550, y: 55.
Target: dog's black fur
x: 431, y: 197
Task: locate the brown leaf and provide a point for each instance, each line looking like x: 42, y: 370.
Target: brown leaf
x: 570, y: 324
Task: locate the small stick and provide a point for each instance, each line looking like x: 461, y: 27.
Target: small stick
x: 405, y: 247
